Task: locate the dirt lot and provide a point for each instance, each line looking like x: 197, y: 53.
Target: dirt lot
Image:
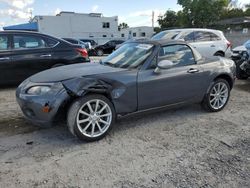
x: 185, y: 147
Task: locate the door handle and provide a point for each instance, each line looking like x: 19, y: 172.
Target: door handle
x: 4, y: 58
x: 193, y: 70
x: 46, y: 55
x: 213, y: 46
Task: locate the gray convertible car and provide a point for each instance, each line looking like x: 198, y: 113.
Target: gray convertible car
x: 139, y: 76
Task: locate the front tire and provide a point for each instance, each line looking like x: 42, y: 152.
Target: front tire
x: 90, y: 118
x: 217, y: 97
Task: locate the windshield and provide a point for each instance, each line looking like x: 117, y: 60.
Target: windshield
x: 166, y: 35
x: 130, y: 55
x: 247, y: 44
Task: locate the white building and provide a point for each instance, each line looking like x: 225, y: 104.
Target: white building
x: 83, y: 26
x: 137, y: 32
x: 76, y: 25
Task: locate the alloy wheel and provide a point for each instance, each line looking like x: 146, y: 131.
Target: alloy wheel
x: 99, y: 52
x: 94, y: 118
x: 219, y: 95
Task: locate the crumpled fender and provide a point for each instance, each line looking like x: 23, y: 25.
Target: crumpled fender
x: 80, y: 86
x: 124, y: 99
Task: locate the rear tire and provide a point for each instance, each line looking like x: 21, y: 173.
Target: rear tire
x: 90, y: 118
x: 99, y: 52
x: 220, y: 54
x: 217, y: 97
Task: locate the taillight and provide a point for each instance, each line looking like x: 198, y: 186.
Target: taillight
x: 83, y: 52
x: 229, y: 45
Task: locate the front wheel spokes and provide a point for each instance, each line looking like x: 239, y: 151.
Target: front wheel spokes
x: 90, y: 107
x: 85, y: 128
x: 96, y: 105
x: 99, y: 127
x: 93, y: 129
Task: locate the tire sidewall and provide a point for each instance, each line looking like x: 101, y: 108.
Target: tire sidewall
x: 101, y: 52
x: 207, y: 97
x: 73, y: 113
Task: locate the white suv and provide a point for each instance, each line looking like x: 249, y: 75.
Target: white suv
x: 208, y: 42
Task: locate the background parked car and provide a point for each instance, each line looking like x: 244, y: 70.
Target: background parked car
x: 208, y: 42
x: 23, y: 54
x: 108, y: 47
x: 130, y: 40
x: 239, y: 50
x: 242, y: 62
x: 77, y: 42
x: 92, y: 42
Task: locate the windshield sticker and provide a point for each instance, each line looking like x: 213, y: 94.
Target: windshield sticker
x: 144, y: 46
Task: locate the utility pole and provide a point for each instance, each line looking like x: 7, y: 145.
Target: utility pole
x: 153, y: 19
x: 30, y: 12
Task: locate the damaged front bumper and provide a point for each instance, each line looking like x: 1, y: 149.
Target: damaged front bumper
x: 41, y: 109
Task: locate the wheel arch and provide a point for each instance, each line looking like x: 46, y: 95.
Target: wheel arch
x: 219, y: 52
x: 227, y: 78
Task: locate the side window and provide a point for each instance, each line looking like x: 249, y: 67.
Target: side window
x: 51, y: 42
x: 28, y: 42
x: 188, y: 36
x: 119, y: 42
x: 73, y: 41
x: 105, y: 25
x: 153, y: 64
x: 214, y: 37
x: 180, y: 55
x: 3, y: 42
x: 143, y: 34
x: 112, y: 43
x: 201, y: 36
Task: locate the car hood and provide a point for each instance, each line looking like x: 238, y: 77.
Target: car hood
x: 72, y: 71
x: 240, y: 48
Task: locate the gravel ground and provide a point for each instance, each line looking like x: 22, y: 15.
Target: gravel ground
x: 185, y: 147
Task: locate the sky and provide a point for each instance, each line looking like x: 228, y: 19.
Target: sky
x: 133, y: 12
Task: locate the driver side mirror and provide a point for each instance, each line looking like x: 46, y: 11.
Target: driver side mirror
x: 164, y: 64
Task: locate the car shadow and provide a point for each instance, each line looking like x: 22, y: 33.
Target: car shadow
x: 243, y: 85
x: 60, y: 135
x: 162, y: 115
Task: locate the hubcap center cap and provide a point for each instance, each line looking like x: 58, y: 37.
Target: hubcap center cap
x: 94, y: 118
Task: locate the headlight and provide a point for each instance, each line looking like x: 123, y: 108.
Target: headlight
x: 38, y: 90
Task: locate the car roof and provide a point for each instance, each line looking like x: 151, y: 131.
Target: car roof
x: 88, y: 39
x: 27, y: 32
x: 161, y: 42
x: 70, y: 39
x: 192, y: 29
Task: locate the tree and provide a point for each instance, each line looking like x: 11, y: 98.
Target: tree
x: 233, y: 13
x: 169, y: 20
x: 123, y: 26
x: 247, y: 11
x: 202, y: 13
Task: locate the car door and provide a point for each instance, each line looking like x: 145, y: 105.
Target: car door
x: 30, y: 55
x: 204, y: 44
x: 6, y: 76
x: 181, y: 83
x: 110, y: 46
